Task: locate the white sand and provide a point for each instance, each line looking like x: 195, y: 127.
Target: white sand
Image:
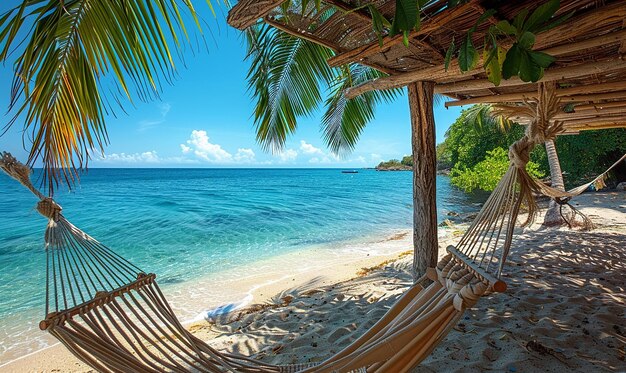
x: 564, y: 309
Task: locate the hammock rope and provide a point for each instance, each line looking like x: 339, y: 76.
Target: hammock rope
x: 113, y: 316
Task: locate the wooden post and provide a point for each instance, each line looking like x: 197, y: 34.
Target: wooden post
x: 425, y: 242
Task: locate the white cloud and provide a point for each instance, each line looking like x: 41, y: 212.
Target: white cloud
x: 145, y: 157
x: 245, y: 155
x: 199, y: 143
x: 307, y: 148
x: 287, y: 155
x: 319, y: 156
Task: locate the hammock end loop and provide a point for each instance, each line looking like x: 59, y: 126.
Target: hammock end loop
x: 49, y: 208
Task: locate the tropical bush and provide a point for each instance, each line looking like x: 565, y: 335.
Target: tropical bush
x: 486, y: 173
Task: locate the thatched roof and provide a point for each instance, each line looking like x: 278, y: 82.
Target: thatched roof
x: 590, y: 47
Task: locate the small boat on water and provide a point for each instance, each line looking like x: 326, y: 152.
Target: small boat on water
x: 349, y: 172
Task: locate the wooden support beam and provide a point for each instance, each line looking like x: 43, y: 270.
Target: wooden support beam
x: 619, y: 119
x: 594, y: 127
x: 438, y: 21
x: 562, y: 73
x: 425, y: 241
x: 439, y: 74
x: 520, y: 97
x: 620, y: 95
x: 247, y: 12
x: 580, y: 114
x: 601, y: 105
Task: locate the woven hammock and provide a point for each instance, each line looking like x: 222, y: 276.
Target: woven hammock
x: 112, y: 315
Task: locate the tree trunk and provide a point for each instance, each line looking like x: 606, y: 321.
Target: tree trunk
x: 425, y: 242
x: 553, y: 215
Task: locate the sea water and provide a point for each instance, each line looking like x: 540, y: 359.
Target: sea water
x: 187, y: 224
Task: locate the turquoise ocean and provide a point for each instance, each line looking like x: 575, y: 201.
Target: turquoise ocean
x: 187, y: 223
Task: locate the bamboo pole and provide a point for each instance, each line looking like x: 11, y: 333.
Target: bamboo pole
x: 574, y: 93
x: 569, y: 72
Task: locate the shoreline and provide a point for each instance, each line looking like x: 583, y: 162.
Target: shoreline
x: 323, y: 265
x: 299, y: 319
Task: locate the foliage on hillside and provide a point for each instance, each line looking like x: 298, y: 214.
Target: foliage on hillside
x: 405, y: 164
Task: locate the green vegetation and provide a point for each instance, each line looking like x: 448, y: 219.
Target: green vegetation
x: 487, y: 173
x: 589, y: 153
x: 475, y: 151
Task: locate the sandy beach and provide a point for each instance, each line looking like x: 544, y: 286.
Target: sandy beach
x: 564, y: 309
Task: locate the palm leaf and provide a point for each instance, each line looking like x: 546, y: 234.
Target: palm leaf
x: 285, y: 77
x: 480, y: 117
x: 345, y: 119
x: 71, y: 47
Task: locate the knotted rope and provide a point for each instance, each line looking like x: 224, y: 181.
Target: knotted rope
x: 20, y: 172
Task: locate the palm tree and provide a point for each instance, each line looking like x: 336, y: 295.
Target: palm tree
x: 78, y: 61
x: 553, y: 215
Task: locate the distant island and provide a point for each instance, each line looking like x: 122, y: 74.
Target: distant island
x: 406, y: 164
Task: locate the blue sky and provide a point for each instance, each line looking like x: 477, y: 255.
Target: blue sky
x: 204, y: 119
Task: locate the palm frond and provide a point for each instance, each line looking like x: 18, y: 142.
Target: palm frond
x: 481, y: 116
x: 71, y: 47
x: 345, y: 119
x: 285, y: 76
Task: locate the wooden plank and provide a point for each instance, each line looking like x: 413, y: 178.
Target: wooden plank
x: 439, y: 74
x: 247, y: 12
x: 619, y: 95
x: 619, y: 119
x: 595, y: 127
x: 438, y: 21
x: 563, y: 92
x: 600, y: 106
x: 558, y: 74
x: 582, y: 114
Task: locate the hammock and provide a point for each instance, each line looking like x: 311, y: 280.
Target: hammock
x: 113, y: 316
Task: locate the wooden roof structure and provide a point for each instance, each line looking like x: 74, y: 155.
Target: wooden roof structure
x: 590, y: 70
